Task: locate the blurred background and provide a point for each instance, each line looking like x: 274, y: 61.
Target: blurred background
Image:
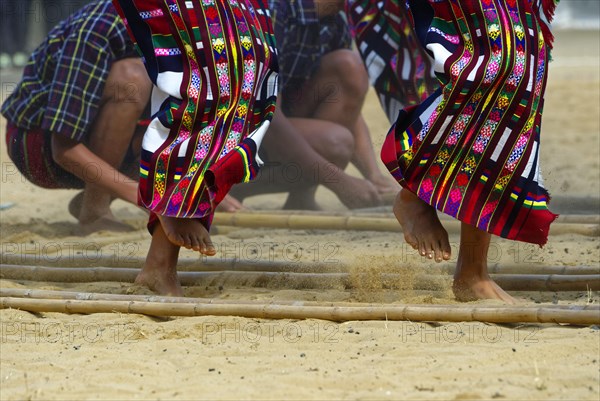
x: 578, y: 14
x: 25, y: 23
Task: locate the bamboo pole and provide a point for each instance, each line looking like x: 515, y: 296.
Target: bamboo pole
x: 247, y: 279
x: 551, y: 282
x: 538, y: 269
x: 299, y: 280
x: 221, y: 264
x: 571, y: 204
x: 91, y: 296
x: 297, y: 222
x: 338, y: 314
x: 183, y: 264
x: 385, y: 212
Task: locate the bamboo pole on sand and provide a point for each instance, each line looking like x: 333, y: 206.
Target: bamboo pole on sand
x: 295, y: 221
x: 387, y: 212
x: 222, y: 264
x: 91, y: 296
x: 338, y: 314
x: 297, y: 280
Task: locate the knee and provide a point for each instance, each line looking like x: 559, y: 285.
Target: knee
x: 349, y: 70
x: 338, y: 146
x: 130, y: 82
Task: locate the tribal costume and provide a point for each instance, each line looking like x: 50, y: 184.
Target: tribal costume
x: 471, y: 149
x: 213, y: 64
x: 400, y: 70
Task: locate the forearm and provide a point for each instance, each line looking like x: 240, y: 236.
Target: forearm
x: 80, y: 161
x: 364, y: 154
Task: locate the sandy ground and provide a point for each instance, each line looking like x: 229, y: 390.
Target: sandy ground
x: 49, y: 356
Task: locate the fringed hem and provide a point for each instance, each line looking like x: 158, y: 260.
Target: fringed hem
x: 537, y: 233
x: 548, y: 8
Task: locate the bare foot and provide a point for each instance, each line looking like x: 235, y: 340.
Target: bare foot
x: 355, y: 192
x: 302, y: 200
x: 105, y: 223
x: 474, y: 288
x: 230, y: 205
x: 75, y: 205
x: 471, y: 278
x: 421, y: 226
x: 159, y: 273
x: 161, y: 283
x: 91, y: 224
x: 188, y: 233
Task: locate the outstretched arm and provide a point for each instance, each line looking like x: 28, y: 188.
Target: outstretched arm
x: 79, y: 160
x: 364, y: 159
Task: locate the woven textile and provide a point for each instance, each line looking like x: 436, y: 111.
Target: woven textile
x: 213, y: 64
x: 31, y: 152
x: 399, y: 68
x: 63, y: 81
x: 471, y: 149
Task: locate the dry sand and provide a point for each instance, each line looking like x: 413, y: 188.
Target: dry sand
x: 49, y: 356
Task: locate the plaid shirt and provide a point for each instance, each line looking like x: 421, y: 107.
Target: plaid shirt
x: 303, y: 38
x: 64, y: 80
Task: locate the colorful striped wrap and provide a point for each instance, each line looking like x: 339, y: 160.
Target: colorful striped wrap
x: 214, y: 67
x: 400, y: 69
x: 471, y: 149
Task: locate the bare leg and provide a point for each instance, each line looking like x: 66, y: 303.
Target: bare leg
x: 126, y: 94
x: 421, y: 226
x: 187, y: 233
x: 159, y: 273
x: 334, y: 143
x: 364, y: 159
x: 315, y: 136
x: 304, y: 153
x: 337, y: 93
x: 471, y: 279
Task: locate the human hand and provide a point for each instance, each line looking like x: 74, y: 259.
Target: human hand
x: 355, y: 192
x: 229, y: 204
x: 385, y: 184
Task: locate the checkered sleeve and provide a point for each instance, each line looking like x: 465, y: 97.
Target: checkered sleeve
x: 82, y: 69
x: 304, y: 12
